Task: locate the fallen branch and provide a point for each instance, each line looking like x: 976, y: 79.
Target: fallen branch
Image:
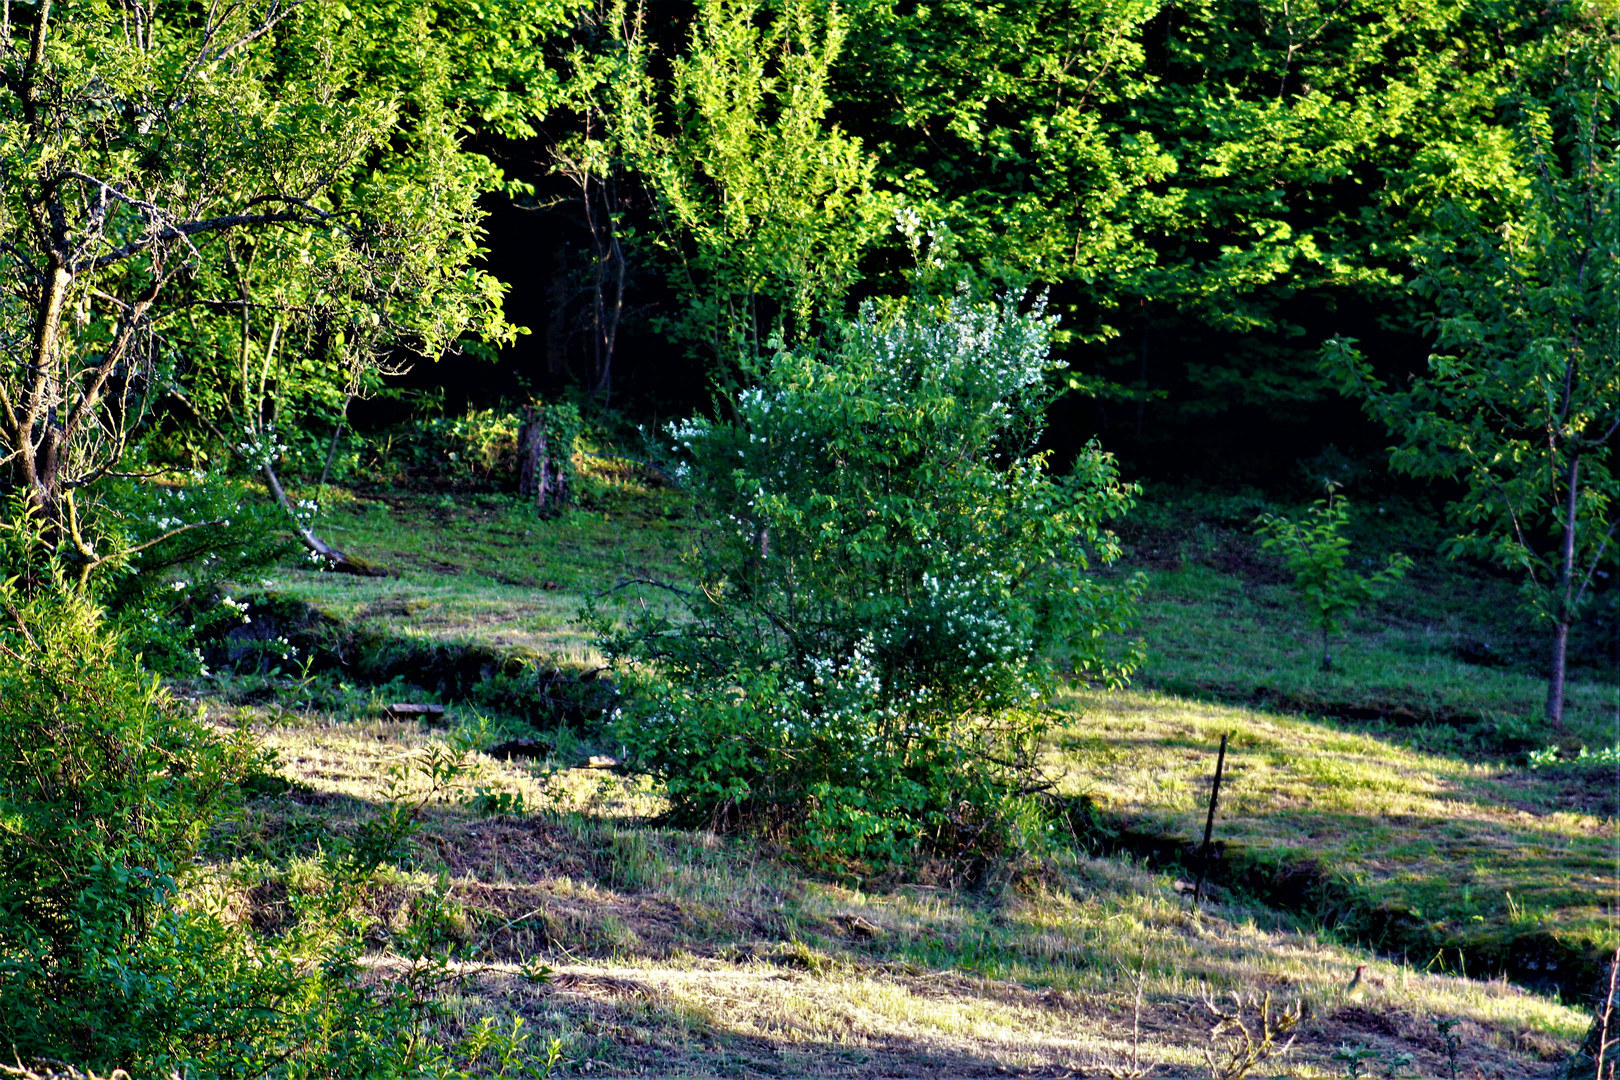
x: 336, y: 559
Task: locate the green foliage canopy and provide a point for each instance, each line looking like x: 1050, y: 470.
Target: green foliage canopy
x: 763, y: 208
x: 1199, y: 180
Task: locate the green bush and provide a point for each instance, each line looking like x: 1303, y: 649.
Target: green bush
x: 187, y: 540
x: 114, y: 952
x: 107, y: 787
x: 888, y: 582
x: 165, y: 551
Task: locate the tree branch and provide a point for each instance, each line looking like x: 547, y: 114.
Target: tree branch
x: 305, y: 215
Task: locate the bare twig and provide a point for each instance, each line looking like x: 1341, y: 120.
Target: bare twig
x: 1247, y: 1034
x: 1134, y: 1069
x: 626, y: 583
x: 1600, y: 1037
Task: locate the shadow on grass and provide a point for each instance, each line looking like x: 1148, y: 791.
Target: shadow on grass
x: 1485, y: 898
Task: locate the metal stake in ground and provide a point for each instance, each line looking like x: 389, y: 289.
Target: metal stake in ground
x: 1209, y: 823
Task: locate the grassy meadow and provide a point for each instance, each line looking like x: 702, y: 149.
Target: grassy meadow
x: 1365, y: 812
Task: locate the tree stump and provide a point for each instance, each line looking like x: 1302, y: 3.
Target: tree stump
x: 532, y: 463
x: 540, y: 477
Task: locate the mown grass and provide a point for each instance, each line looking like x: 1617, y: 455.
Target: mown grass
x: 1448, y: 660
x: 688, y: 954
x: 486, y: 568
x: 681, y: 953
x: 1472, y: 850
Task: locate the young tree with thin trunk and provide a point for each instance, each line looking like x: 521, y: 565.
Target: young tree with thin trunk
x: 762, y: 207
x: 591, y: 158
x: 1521, y: 401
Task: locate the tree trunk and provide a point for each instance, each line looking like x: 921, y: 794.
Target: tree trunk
x: 556, y: 485
x: 1566, y: 597
x: 38, y: 464
x: 1555, y: 674
x: 540, y: 473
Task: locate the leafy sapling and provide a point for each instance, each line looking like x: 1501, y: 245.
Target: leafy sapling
x: 1443, y: 1026
x: 1355, y: 1060
x: 1317, y: 551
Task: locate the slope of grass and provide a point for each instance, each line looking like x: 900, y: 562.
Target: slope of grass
x: 485, y: 567
x: 687, y: 954
x: 1449, y: 658
x: 1474, y: 854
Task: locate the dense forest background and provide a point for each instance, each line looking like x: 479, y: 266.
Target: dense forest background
x: 1207, y: 192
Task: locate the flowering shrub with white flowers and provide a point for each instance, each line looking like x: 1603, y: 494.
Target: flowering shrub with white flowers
x: 889, y: 584
x: 178, y: 544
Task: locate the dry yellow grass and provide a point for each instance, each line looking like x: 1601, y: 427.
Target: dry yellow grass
x: 685, y: 954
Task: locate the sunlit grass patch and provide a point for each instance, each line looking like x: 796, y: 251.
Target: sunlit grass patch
x: 684, y: 953
x: 487, y: 568
x: 1466, y: 846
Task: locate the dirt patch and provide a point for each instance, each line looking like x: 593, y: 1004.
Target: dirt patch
x: 602, y: 986
x: 1367, y: 1021
x: 1243, y: 557
x: 531, y: 887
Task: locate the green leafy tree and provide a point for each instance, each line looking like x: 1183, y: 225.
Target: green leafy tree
x: 1197, y: 180
x: 1521, y: 400
x: 249, y: 208
x: 1316, y: 551
x: 1004, y: 123
x: 761, y: 207
x: 1311, y: 143
x: 889, y: 581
